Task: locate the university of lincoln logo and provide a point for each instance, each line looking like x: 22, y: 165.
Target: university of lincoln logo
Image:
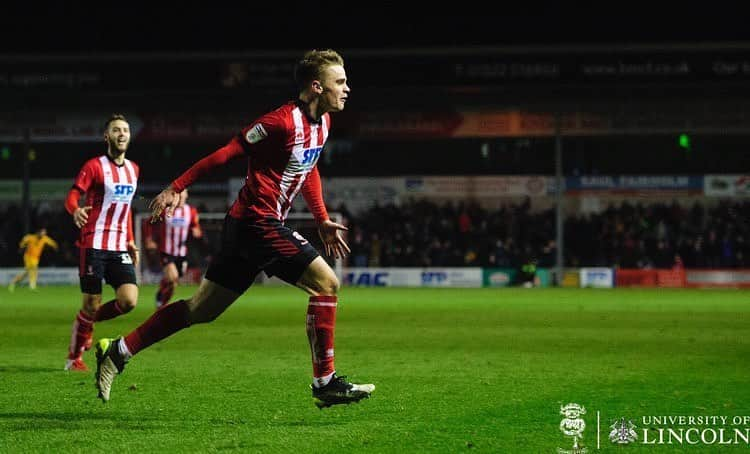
x: 573, y: 426
x: 623, y: 432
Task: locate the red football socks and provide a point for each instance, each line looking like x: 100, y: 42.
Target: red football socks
x: 321, y: 323
x: 162, y: 324
x: 83, y: 329
x: 108, y: 310
x: 166, y: 289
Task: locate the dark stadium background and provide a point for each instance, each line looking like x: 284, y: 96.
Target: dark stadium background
x: 137, y: 26
x: 160, y: 57
x: 456, y: 369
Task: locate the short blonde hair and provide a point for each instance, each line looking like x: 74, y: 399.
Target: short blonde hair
x: 312, y: 65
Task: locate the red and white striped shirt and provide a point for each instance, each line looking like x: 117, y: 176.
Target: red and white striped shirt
x: 109, y: 190
x: 174, y: 230
x: 282, y: 147
x: 279, y: 163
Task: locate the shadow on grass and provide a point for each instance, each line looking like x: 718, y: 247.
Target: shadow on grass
x: 26, y: 369
x: 303, y: 423
x: 74, y: 420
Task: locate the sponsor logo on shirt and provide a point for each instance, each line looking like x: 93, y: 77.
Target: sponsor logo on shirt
x: 123, y: 192
x: 310, y: 155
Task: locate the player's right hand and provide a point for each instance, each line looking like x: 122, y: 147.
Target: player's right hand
x: 81, y: 215
x: 164, y: 203
x: 329, y: 233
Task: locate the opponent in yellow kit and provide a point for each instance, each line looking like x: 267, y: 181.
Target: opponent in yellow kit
x: 33, y: 245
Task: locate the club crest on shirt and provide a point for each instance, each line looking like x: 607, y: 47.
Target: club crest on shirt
x: 256, y: 134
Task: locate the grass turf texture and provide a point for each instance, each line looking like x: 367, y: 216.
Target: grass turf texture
x: 456, y: 370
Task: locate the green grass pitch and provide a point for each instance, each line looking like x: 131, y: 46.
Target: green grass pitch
x: 456, y: 370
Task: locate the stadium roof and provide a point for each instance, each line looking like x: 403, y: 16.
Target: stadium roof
x: 129, y: 27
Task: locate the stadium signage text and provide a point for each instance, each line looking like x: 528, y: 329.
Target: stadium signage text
x: 634, y: 182
x: 367, y: 279
x: 597, y: 277
x: 413, y: 277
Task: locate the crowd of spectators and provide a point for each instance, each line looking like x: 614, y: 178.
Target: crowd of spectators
x: 631, y: 235
x: 662, y: 235
x: 423, y: 233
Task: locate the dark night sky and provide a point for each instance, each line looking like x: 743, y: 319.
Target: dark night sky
x: 126, y: 26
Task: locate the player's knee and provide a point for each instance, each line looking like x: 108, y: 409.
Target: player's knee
x: 329, y: 286
x: 127, y: 304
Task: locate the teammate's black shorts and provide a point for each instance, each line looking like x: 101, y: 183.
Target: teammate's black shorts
x: 179, y: 261
x: 249, y: 246
x: 116, y: 268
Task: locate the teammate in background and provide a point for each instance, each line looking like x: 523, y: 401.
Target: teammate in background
x: 282, y: 148
x: 33, y: 245
x: 107, y: 249
x: 172, y: 238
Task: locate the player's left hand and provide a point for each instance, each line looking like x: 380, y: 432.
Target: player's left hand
x: 335, y: 246
x: 134, y: 253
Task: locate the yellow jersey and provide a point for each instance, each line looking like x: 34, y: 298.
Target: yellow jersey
x: 34, y: 245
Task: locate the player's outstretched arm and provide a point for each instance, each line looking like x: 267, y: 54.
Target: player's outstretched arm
x: 330, y: 234
x: 168, y: 198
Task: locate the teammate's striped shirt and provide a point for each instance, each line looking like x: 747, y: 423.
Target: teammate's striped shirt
x: 109, y: 190
x: 174, y: 230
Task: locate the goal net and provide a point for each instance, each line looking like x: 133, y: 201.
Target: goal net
x: 202, y: 251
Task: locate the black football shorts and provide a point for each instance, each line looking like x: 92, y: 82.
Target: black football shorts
x: 116, y: 268
x: 179, y: 261
x: 249, y: 246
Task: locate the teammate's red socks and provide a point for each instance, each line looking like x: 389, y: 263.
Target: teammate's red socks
x: 83, y: 329
x: 109, y: 310
x: 163, y: 323
x: 321, y: 324
x: 166, y: 290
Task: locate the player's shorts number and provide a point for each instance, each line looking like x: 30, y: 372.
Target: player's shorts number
x: 126, y: 259
x: 299, y: 237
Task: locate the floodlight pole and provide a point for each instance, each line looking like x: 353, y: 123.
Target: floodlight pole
x: 26, y: 188
x: 559, y: 200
